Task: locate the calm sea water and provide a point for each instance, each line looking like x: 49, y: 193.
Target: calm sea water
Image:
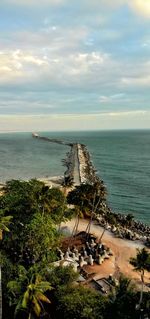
x: 122, y: 160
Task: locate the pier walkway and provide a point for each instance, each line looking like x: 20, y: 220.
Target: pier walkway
x: 76, y: 171
x: 79, y: 166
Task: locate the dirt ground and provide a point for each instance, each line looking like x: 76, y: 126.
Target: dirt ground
x: 122, y: 251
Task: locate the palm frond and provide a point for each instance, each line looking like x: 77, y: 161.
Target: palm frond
x: 43, y: 286
x: 18, y: 308
x: 36, y: 306
x: 42, y: 297
x: 25, y: 300
x: 13, y: 286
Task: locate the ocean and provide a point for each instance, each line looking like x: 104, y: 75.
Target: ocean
x: 122, y: 160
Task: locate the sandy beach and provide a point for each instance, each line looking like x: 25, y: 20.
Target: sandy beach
x: 122, y: 251
x: 52, y: 181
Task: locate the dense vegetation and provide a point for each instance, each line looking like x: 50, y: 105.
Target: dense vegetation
x: 30, y: 215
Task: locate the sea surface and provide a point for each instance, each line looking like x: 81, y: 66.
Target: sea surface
x: 122, y: 160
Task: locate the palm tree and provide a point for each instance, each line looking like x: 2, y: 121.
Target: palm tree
x: 122, y: 287
x: 109, y: 219
x: 0, y: 293
x: 93, y: 212
x: 31, y: 296
x: 79, y: 215
x: 141, y: 263
x: 88, y: 198
x: 68, y: 181
x: 4, y: 223
x: 121, y: 298
x: 129, y: 220
x: 43, y: 199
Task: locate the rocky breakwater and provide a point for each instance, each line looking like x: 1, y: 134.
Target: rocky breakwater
x: 80, y: 169
x: 122, y: 228
x: 69, y: 162
x: 86, y: 168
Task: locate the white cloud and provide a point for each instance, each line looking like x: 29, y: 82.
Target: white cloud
x: 98, y: 3
x: 142, y: 81
x: 46, y: 38
x: 16, y: 64
x: 54, y: 67
x: 128, y: 113
x: 116, y: 120
x: 34, y: 2
x: 142, y: 7
x: 112, y: 98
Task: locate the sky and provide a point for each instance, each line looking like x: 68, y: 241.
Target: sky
x: 74, y: 65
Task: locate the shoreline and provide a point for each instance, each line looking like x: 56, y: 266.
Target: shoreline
x: 80, y: 169
x: 57, y: 181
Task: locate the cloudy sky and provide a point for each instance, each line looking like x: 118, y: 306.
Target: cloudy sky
x: 74, y: 64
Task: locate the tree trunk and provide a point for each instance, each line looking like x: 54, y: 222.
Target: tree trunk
x: 1, y: 234
x: 88, y: 228
x: 103, y: 232
x: 0, y: 294
x: 77, y: 225
x: 43, y: 211
x: 142, y: 287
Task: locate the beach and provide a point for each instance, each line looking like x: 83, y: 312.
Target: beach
x: 124, y: 169
x: 122, y: 250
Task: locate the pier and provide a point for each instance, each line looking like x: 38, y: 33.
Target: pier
x: 79, y: 166
x: 51, y: 140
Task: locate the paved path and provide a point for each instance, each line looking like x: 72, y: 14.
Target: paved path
x: 76, y: 172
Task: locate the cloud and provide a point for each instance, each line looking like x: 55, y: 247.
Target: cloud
x: 34, y: 2
x: 18, y: 65
x: 78, y: 58
x: 142, y: 81
x: 109, y: 3
x: 47, y: 39
x: 69, y: 122
x: 142, y: 7
x: 128, y: 113
x: 112, y: 98
x: 73, y: 69
x: 101, y: 114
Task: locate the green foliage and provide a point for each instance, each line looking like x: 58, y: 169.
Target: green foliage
x: 27, y: 293
x: 80, y: 302
x: 68, y: 181
x: 19, y: 199
x: 5, y: 221
x: 122, y: 300
x: 61, y: 276
x: 9, y: 271
x: 142, y: 260
x: 87, y: 196
x: 24, y: 199
x: 32, y: 240
x: 141, y: 263
x: 36, y: 211
x: 42, y: 237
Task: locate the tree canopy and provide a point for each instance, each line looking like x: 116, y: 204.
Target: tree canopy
x: 89, y: 197
x: 36, y: 211
x: 29, y: 246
